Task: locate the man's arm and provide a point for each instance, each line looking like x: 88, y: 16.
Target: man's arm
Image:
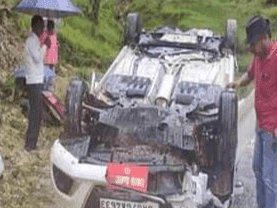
x: 243, y: 81
x: 35, y: 51
x: 246, y: 78
x: 44, y: 48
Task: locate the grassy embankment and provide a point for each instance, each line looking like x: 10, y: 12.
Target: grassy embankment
x: 87, y: 45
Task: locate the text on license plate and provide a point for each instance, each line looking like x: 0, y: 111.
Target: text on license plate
x: 112, y: 203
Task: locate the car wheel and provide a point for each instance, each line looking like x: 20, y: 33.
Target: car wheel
x: 231, y: 34
x: 73, y: 105
x: 226, y: 155
x: 134, y: 28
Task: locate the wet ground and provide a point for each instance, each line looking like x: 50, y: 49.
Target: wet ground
x: 244, y: 158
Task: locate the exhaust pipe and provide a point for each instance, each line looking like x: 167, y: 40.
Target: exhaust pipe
x: 164, y: 94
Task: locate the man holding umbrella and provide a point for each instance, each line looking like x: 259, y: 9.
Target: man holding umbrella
x: 34, y: 55
x: 34, y: 79
x: 50, y: 9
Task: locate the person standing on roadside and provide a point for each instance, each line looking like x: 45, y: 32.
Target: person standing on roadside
x: 263, y: 70
x: 34, y: 80
x: 50, y: 59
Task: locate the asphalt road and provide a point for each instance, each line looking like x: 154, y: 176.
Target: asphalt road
x: 246, y: 139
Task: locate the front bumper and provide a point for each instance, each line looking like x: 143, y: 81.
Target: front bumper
x: 71, y: 166
x: 87, y: 176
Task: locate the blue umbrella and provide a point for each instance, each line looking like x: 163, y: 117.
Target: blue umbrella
x: 47, y: 8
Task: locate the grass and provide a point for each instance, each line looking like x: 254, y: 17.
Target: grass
x: 23, y: 170
x: 22, y: 186
x: 85, y: 42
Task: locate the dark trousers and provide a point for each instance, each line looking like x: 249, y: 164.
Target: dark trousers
x: 34, y: 115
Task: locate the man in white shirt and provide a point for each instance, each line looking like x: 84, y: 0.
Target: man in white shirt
x: 34, y: 80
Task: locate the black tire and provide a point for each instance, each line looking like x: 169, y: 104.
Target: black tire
x: 228, y: 139
x: 134, y: 28
x: 73, y: 105
x: 231, y: 34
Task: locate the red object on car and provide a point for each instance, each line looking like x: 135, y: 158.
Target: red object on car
x: 132, y: 176
x: 52, y: 100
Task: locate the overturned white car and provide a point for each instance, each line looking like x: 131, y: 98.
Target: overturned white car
x: 158, y: 130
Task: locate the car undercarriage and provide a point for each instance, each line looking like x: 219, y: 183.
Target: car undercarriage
x: 162, y: 109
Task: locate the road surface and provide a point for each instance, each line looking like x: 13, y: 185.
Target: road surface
x: 246, y: 138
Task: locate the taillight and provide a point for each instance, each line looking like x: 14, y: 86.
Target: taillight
x: 64, y: 182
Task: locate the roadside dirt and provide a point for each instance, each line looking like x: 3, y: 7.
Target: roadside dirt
x: 24, y: 171
x: 26, y: 182
x: 11, y: 39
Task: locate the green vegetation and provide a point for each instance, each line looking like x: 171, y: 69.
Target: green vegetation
x: 90, y: 44
x: 22, y: 185
x: 85, y: 43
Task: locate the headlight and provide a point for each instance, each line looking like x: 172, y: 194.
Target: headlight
x: 64, y: 182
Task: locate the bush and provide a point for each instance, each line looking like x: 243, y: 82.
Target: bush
x: 84, y: 43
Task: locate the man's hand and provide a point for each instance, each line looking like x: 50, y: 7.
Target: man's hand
x: 232, y: 85
x: 242, y: 82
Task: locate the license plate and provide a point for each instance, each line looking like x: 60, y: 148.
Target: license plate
x: 112, y: 203
x: 128, y: 176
